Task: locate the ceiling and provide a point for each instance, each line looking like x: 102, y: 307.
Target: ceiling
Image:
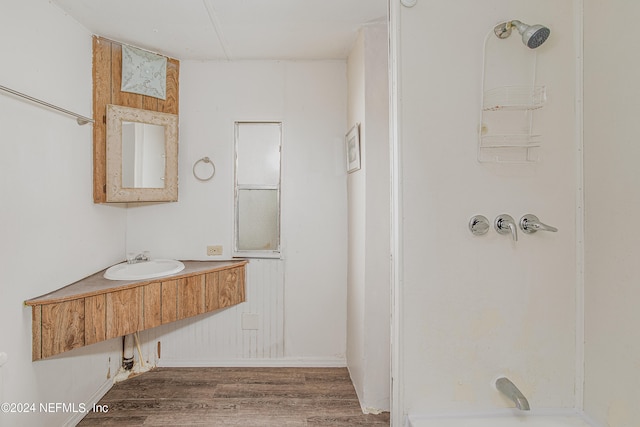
x: 230, y: 29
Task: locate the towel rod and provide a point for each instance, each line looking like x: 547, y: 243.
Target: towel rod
x: 82, y: 120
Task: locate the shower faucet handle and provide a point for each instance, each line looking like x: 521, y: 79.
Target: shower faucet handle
x: 530, y: 224
x: 505, y: 224
x: 479, y: 225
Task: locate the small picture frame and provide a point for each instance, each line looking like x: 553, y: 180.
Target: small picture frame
x: 352, y: 146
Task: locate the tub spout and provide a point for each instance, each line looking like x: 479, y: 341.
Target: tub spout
x: 509, y: 389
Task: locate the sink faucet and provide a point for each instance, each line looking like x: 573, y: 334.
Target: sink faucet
x: 142, y: 257
x: 509, y: 389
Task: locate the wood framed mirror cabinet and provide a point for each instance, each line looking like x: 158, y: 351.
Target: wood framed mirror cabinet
x: 141, y: 156
x: 132, y: 171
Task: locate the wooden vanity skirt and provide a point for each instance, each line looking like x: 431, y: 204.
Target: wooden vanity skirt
x: 96, y: 309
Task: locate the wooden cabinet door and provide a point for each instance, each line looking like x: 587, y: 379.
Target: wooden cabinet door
x: 152, y: 305
x: 212, y: 291
x: 95, y: 321
x: 62, y: 327
x: 231, y: 287
x: 124, y: 312
x: 191, y: 296
x: 169, y: 291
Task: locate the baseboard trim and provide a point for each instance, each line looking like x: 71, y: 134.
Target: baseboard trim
x: 255, y: 363
x: 95, y: 398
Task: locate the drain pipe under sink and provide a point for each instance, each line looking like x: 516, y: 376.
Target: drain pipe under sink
x: 127, y: 352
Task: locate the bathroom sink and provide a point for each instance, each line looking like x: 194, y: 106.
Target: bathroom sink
x: 143, y: 270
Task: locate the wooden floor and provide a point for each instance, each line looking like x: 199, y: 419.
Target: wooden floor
x: 235, y: 397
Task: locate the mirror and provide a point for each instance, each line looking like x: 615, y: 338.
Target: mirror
x: 142, y: 155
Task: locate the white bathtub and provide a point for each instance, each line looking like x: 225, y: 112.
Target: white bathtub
x: 506, y: 419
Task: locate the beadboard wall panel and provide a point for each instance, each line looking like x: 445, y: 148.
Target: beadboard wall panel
x: 217, y: 338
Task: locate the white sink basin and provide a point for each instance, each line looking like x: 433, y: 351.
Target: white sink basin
x: 143, y: 270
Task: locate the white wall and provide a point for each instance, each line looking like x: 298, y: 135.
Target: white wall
x: 475, y: 308
x: 52, y: 217
x: 368, y: 322
x: 46, y: 162
x: 611, y: 152
x: 309, y: 97
x: 356, y: 193
x: 52, y: 233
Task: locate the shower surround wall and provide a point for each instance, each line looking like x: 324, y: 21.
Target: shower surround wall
x: 612, y: 174
x: 476, y: 308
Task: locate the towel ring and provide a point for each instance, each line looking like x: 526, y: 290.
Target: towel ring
x: 204, y: 160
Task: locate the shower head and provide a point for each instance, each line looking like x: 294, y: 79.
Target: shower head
x: 532, y: 35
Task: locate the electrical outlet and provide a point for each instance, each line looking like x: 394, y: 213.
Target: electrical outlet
x: 214, y: 250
